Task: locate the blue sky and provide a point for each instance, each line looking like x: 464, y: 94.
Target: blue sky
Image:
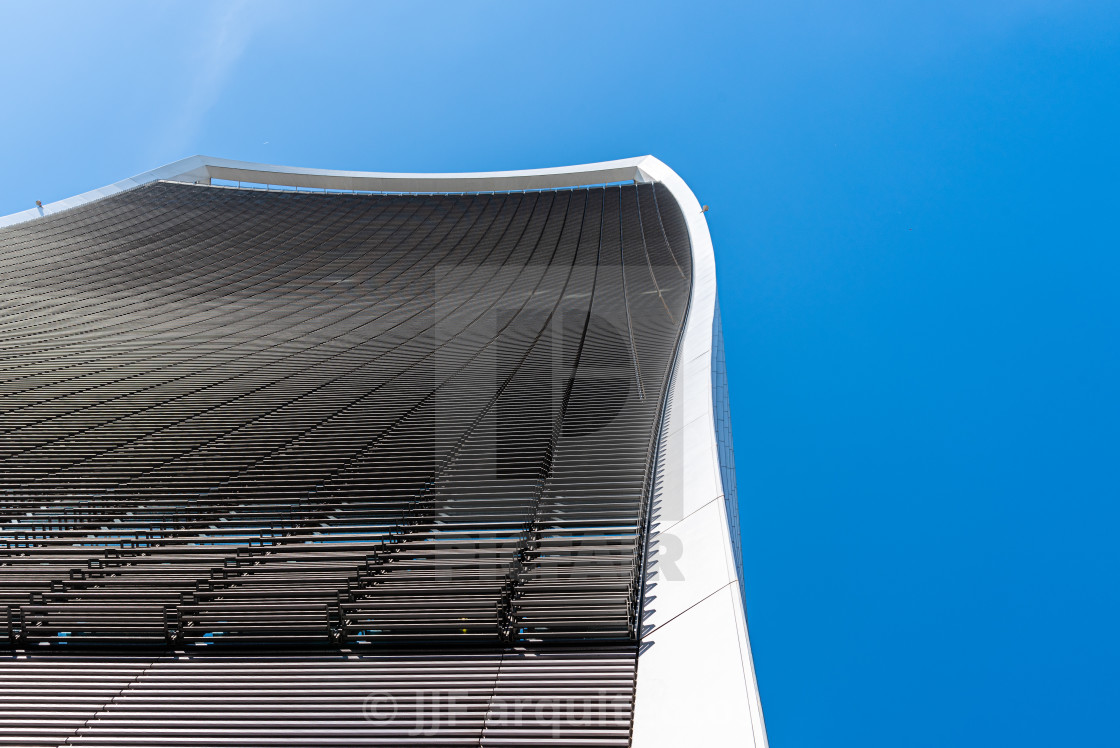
x: 915, y: 208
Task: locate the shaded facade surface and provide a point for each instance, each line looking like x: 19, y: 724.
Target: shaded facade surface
x: 326, y: 469
x: 721, y: 411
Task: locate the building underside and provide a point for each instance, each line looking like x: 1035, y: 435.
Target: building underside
x: 349, y: 467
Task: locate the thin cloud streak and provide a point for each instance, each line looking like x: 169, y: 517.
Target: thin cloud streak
x: 224, y: 42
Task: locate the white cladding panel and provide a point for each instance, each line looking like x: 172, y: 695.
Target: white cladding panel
x: 696, y: 682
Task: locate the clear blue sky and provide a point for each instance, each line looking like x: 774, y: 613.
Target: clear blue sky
x: 915, y: 208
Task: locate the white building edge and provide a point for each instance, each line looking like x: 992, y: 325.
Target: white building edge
x: 696, y: 683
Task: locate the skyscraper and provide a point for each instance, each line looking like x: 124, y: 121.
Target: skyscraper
x: 306, y: 457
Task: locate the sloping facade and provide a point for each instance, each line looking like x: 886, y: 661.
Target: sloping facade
x: 380, y: 460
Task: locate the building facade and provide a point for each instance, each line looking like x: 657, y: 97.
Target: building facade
x: 310, y: 457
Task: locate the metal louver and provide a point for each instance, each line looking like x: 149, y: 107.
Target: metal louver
x: 266, y: 455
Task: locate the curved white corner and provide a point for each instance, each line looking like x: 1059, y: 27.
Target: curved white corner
x: 696, y: 683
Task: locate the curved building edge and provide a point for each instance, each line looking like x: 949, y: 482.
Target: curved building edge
x: 696, y: 682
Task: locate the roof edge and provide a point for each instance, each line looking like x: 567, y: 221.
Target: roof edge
x: 202, y: 169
